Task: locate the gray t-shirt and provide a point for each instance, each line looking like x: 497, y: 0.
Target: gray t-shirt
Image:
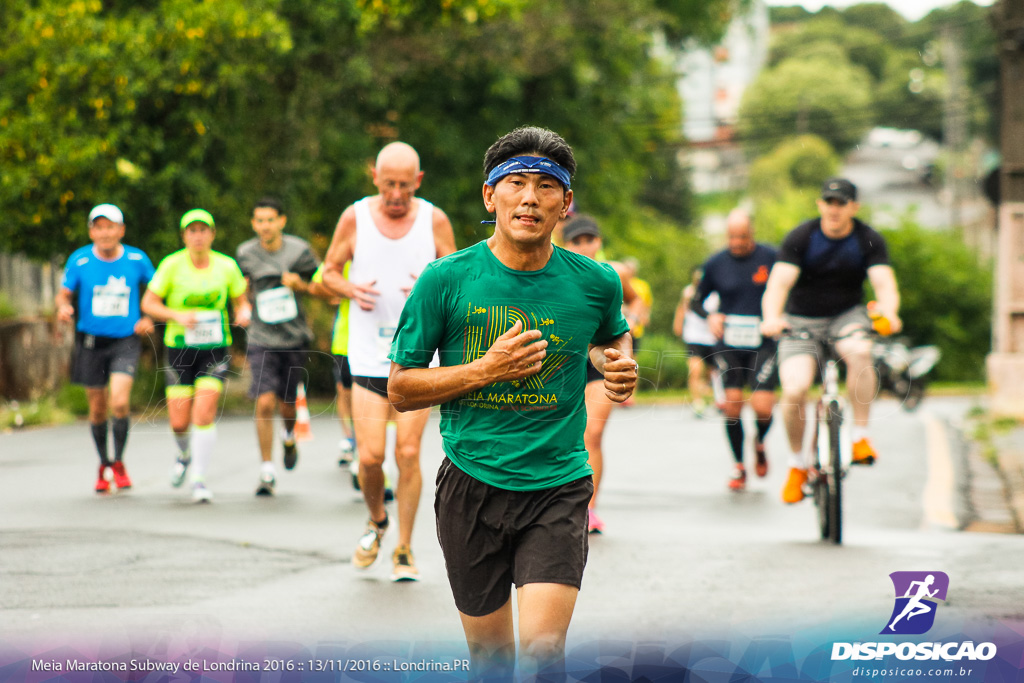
x: 278, y: 321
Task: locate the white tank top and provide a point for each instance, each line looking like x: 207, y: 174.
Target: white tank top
x: 695, y: 328
x: 393, y: 264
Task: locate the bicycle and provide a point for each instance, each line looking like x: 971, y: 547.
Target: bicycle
x: 831, y: 454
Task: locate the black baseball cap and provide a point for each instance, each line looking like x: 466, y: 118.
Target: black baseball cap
x: 580, y: 225
x: 839, y: 188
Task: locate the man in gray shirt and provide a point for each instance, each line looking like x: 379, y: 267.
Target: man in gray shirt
x: 277, y: 266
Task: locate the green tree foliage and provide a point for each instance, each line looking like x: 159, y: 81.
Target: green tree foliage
x: 823, y: 95
x: 99, y: 107
x: 946, y: 298
x: 785, y: 183
x: 163, y: 105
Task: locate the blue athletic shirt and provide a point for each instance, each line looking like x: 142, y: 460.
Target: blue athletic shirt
x: 108, y: 292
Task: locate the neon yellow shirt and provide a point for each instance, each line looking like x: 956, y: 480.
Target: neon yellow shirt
x: 643, y: 290
x: 339, y: 342
x: 183, y: 287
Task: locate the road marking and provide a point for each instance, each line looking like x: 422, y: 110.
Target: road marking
x: 939, y: 486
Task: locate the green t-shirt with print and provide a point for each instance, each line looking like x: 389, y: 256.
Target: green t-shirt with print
x: 206, y: 291
x: 339, y: 341
x: 525, y: 435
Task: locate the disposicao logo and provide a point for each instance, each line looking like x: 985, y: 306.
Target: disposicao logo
x: 917, y: 599
x: 917, y: 596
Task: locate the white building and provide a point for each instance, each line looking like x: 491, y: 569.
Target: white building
x: 711, y: 85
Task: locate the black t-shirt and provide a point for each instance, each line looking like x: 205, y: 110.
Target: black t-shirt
x: 739, y: 281
x: 832, y: 272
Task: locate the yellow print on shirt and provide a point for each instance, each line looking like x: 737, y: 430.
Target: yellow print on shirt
x: 482, y: 327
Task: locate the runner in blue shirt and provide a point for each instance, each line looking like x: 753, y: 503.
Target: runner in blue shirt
x: 102, y: 288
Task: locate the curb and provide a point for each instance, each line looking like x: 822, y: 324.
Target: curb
x: 985, y: 491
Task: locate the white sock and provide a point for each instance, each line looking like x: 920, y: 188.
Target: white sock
x: 203, y: 441
x: 857, y: 433
x: 267, y: 467
x: 796, y: 459
x: 287, y: 436
x: 182, y: 440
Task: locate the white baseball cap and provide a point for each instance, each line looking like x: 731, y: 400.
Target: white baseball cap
x: 107, y: 211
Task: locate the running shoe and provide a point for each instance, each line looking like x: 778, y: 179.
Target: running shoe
x: 201, y: 494
x: 793, y: 491
x: 266, y: 486
x: 291, y: 454
x: 178, y: 471
x: 864, y: 453
x: 346, y: 451
x: 595, y: 525
x: 760, y: 459
x: 102, y: 483
x: 369, y: 545
x: 121, y: 479
x: 738, y: 480
x: 389, y: 491
x: 404, y: 565
x: 699, y: 407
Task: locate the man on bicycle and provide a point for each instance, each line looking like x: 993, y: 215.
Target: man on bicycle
x: 818, y: 278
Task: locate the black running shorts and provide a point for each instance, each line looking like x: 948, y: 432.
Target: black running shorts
x: 96, y: 358
x: 593, y: 374
x: 187, y: 364
x: 378, y: 385
x: 756, y: 368
x: 277, y: 371
x: 342, y: 371
x: 493, y: 538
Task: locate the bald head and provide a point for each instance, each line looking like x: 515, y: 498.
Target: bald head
x: 397, y: 176
x: 400, y: 155
x: 740, y: 232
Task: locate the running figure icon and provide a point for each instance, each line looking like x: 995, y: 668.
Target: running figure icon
x: 916, y: 605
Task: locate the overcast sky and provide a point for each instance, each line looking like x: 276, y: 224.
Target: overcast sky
x: 911, y: 9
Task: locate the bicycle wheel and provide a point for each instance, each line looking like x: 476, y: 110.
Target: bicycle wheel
x: 819, y: 483
x: 834, y: 419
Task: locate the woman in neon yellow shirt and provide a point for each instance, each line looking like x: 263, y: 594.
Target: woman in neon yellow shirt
x: 190, y: 292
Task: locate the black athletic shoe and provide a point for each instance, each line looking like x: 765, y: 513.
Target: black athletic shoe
x: 291, y: 455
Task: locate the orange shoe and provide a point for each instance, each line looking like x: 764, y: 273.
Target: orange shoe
x: 738, y: 480
x: 793, y: 491
x: 864, y: 453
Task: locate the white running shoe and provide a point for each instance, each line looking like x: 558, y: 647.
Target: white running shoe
x: 178, y: 470
x: 346, y: 451
x: 201, y: 494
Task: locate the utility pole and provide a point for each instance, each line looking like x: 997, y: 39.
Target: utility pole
x: 1006, y: 362
x: 954, y: 122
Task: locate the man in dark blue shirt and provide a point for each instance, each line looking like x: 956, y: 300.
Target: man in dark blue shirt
x: 819, y: 278
x: 744, y: 357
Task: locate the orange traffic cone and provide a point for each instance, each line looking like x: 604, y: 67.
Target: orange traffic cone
x: 303, y: 431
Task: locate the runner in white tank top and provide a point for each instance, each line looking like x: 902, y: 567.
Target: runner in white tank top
x: 393, y: 266
x: 389, y: 238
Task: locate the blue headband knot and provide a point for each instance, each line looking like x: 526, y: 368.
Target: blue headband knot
x: 529, y: 165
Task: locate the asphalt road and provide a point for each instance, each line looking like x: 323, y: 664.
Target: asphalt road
x: 682, y: 557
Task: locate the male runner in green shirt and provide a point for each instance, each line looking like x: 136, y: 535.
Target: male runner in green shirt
x: 514, y: 319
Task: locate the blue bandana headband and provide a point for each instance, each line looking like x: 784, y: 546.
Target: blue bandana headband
x: 529, y: 165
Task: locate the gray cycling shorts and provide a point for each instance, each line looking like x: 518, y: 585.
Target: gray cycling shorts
x: 820, y: 329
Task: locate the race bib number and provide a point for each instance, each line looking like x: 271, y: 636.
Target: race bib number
x: 385, y: 334
x: 208, y: 330
x: 742, y: 331
x: 111, y: 300
x: 276, y: 306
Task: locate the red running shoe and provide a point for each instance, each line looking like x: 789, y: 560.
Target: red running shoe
x: 738, y: 480
x: 121, y: 480
x: 102, y: 484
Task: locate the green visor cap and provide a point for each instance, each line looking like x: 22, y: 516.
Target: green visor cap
x: 196, y: 215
